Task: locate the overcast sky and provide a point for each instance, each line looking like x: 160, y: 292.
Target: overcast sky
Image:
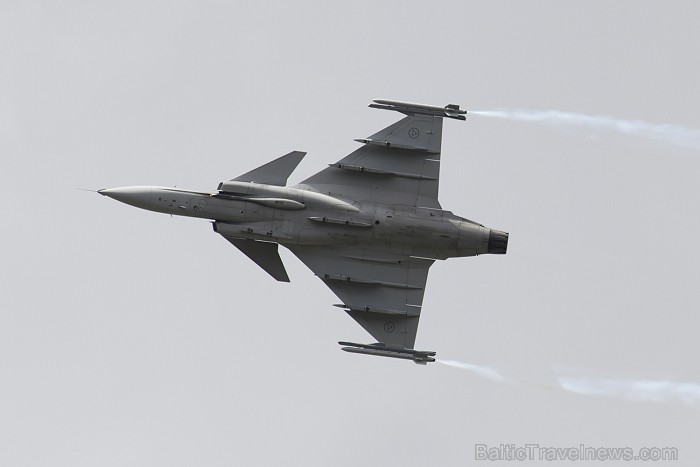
x: 133, y: 338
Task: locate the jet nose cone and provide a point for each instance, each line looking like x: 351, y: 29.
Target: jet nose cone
x: 120, y: 194
x: 134, y: 195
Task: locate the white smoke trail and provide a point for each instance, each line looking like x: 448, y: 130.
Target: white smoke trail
x: 480, y: 370
x: 635, y: 390
x: 639, y: 390
x: 675, y: 134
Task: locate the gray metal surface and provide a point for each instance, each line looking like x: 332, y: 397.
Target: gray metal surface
x: 397, y: 165
x: 275, y: 172
x: 369, y: 226
x: 264, y: 254
x: 382, y: 291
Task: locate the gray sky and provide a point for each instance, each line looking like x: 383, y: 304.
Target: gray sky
x: 133, y: 338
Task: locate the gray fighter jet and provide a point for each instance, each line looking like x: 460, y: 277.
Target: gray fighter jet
x: 369, y: 226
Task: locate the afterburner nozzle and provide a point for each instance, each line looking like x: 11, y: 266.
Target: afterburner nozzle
x: 498, y: 242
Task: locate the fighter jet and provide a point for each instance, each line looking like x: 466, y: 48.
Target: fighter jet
x: 369, y: 226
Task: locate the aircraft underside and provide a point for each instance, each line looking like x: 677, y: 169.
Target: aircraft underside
x: 369, y: 226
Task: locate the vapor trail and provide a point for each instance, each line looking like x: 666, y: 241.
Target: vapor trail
x: 639, y: 390
x: 480, y: 370
x: 636, y: 390
x: 675, y: 134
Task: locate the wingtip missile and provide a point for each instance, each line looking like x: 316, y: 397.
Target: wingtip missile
x: 420, y: 357
x: 410, y: 108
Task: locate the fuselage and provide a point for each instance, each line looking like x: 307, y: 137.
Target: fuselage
x: 301, y: 216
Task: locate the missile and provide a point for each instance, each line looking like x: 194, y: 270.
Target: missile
x: 450, y: 110
x: 420, y: 357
